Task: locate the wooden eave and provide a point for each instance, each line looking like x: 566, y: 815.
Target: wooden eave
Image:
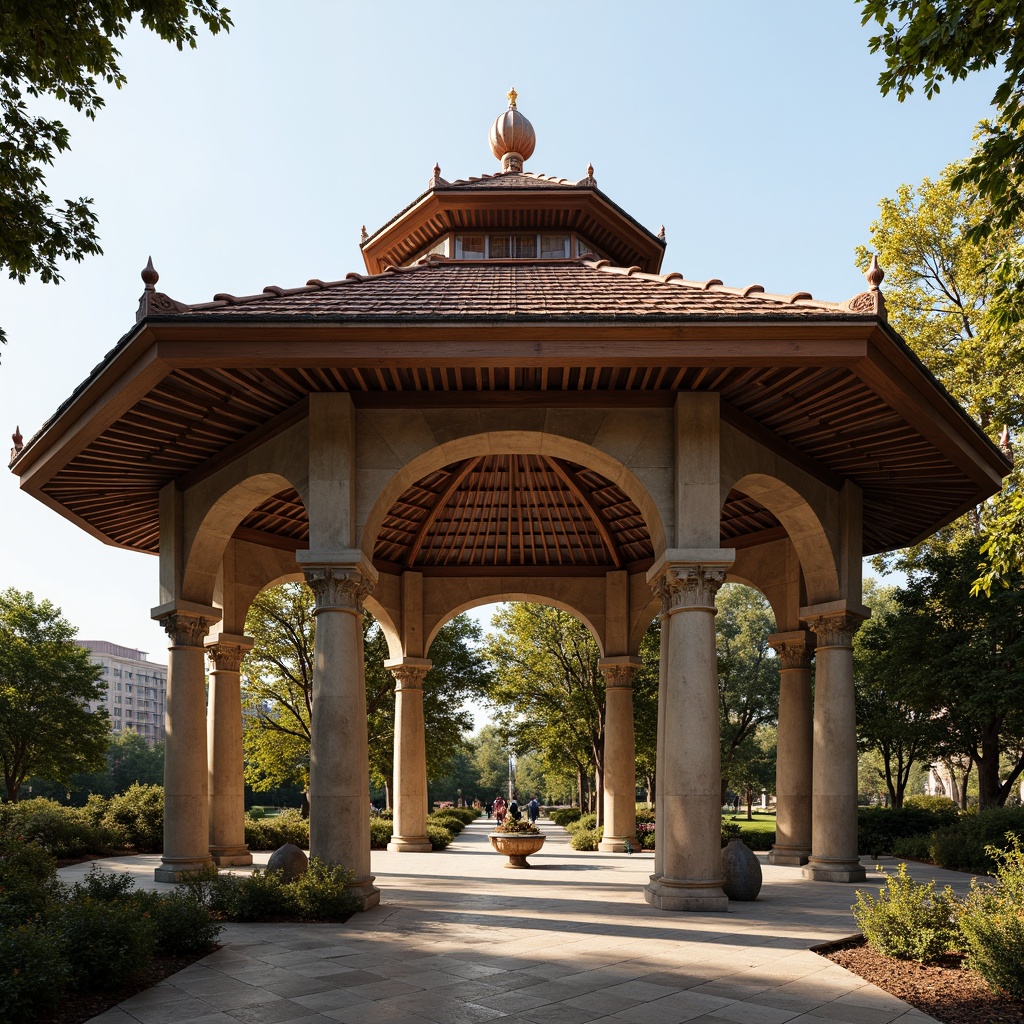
x: 841, y: 397
x: 584, y: 210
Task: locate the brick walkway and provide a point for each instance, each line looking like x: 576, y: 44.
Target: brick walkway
x: 458, y: 939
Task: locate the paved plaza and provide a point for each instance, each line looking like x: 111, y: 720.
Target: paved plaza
x: 457, y: 939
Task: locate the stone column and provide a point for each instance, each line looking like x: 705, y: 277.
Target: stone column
x: 186, y: 810
x: 619, y: 754
x: 339, y: 776
x: 689, y: 826
x: 224, y: 749
x: 410, y: 781
x: 793, y: 775
x: 834, y: 826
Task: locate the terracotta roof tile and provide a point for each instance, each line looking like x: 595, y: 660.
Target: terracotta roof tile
x: 438, y: 287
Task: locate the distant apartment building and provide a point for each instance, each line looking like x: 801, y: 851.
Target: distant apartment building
x: 136, y: 696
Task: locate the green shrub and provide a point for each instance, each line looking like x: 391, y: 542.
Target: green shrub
x: 449, y: 821
x: 439, y: 836
x: 965, y: 845
x: 992, y: 922
x: 33, y: 972
x: 880, y: 828
x: 645, y: 815
x: 64, y: 831
x: 103, y: 942
x: 941, y: 806
x: 272, y: 833
x: 181, y: 921
x: 261, y: 896
x: 380, y: 833
x: 645, y: 832
x: 912, y: 848
x: 584, y: 822
x: 28, y: 883
x: 256, y: 812
x: 387, y: 814
x: 586, y: 838
x: 758, y: 838
x: 467, y: 815
x: 321, y: 894
x: 909, y: 920
x: 137, y: 817
x: 565, y: 816
x: 729, y: 829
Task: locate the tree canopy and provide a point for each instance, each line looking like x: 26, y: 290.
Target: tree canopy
x: 65, y: 50
x: 46, y: 684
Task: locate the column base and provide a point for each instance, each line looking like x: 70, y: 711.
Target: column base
x: 617, y: 844
x: 789, y: 856
x: 687, y: 894
x: 409, y: 844
x: 173, y: 869
x: 821, y: 869
x: 231, y: 856
x: 366, y: 892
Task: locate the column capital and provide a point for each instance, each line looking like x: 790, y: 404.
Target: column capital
x: 834, y: 623
x: 688, y: 585
x: 409, y: 673
x: 186, y: 622
x: 795, y: 648
x: 226, y: 651
x: 340, y: 585
x: 619, y: 671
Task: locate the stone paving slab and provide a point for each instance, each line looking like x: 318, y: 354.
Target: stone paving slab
x: 459, y: 940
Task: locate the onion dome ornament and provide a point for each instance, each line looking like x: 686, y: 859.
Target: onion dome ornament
x: 512, y: 137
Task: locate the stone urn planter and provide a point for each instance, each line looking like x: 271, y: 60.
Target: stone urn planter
x: 517, y: 847
x: 741, y: 871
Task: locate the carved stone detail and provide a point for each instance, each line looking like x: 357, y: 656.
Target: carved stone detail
x: 835, y: 630
x: 409, y: 677
x: 618, y: 675
x: 185, y: 630
x: 226, y: 657
x: 794, y: 653
x: 339, y: 588
x: 689, y: 586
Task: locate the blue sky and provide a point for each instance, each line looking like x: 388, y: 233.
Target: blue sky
x: 753, y: 131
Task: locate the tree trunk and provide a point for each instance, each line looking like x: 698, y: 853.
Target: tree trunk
x: 987, y: 760
x: 750, y: 803
x: 599, y: 793
x: 649, y: 780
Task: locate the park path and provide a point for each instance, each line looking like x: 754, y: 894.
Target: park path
x: 457, y: 939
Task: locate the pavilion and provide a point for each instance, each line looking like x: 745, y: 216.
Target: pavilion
x: 513, y: 402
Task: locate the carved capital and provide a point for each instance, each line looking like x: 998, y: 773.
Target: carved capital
x: 409, y: 677
x: 185, y: 630
x: 338, y: 588
x: 688, y: 586
x: 226, y: 657
x: 618, y: 675
x: 795, y: 650
x: 835, y: 630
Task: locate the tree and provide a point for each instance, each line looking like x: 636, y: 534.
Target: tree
x: 895, y: 714
x: 548, y: 690
x: 753, y: 765
x: 46, y: 684
x: 645, y: 709
x: 277, y: 694
x: 966, y: 653
x: 748, y: 674
x: 61, y: 50
x: 922, y: 39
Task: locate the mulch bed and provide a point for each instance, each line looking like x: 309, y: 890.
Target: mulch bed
x: 946, y: 989
x: 78, y: 1007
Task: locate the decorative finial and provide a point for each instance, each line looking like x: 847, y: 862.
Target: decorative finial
x: 19, y: 443
x: 437, y: 170
x: 590, y: 170
x: 661, y: 232
x: 512, y: 137
x: 150, y: 276
x: 589, y: 180
x: 363, y: 236
x: 874, y: 273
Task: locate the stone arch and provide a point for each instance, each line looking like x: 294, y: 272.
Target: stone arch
x: 215, y: 527
x: 513, y: 442
x: 533, y: 595
x: 743, y: 581
x: 805, y: 529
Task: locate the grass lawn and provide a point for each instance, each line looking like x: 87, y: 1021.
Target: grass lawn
x: 761, y: 822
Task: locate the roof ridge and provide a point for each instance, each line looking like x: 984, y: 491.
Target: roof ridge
x: 536, y: 175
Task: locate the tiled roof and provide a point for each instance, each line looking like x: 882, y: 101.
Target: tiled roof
x: 438, y: 287
x: 510, y: 179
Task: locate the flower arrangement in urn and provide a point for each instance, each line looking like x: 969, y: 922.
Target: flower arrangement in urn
x: 516, y: 839
x: 522, y: 827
